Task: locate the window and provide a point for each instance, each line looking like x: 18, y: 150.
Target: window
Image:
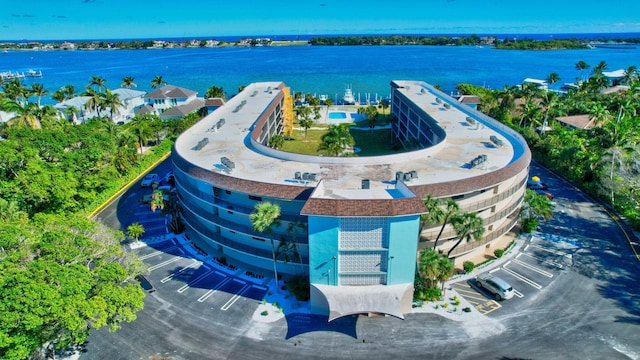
x: 256, y: 198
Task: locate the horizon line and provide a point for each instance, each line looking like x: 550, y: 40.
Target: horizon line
x: 309, y: 36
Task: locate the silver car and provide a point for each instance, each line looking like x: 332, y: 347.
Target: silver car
x: 497, y: 286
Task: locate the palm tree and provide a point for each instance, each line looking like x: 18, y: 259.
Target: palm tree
x: 157, y: 81
x: 69, y: 91
x: 98, y: 81
x: 128, y: 82
x: 264, y: 218
x: 535, y: 206
x: 446, y: 214
x: 293, y: 228
x: 630, y: 75
x: 601, y: 67
x: 469, y: 227
x: 14, y: 90
x: 553, y: 78
x: 582, y: 66
x: 39, y: 91
x: 215, y: 92
x: 111, y: 101
x: 142, y: 133
x: 135, y: 230
x: 95, y: 100
x: 336, y: 139
x: 157, y: 200
x: 26, y: 115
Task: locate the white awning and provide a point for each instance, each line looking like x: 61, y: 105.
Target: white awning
x: 395, y: 300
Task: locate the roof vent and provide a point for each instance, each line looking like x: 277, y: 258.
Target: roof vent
x: 480, y: 159
x: 202, y: 143
x: 497, y: 142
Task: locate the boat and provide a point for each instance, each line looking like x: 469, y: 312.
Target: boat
x: 33, y: 73
x: 348, y: 98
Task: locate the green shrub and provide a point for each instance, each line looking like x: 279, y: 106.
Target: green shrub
x: 528, y: 225
x: 498, y: 252
x: 264, y: 313
x: 467, y: 309
x: 299, y: 287
x: 468, y: 266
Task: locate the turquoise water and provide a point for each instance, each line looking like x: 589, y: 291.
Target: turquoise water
x: 336, y: 115
x: 311, y: 69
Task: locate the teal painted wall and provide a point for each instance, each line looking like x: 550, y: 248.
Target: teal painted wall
x: 323, y: 246
x: 403, y: 245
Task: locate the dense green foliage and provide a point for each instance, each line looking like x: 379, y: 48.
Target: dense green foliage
x: 602, y: 159
x: 62, y: 275
x: 531, y: 44
x: 395, y: 40
x: 433, y: 267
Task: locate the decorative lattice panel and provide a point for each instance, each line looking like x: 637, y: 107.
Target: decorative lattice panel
x: 363, y: 233
x: 363, y: 261
x: 369, y: 279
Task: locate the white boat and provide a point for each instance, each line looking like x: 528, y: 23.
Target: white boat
x: 348, y: 98
x: 323, y: 98
x: 33, y: 73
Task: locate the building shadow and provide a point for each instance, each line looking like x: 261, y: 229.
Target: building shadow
x: 299, y: 323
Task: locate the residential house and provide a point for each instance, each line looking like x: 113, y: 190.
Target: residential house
x: 168, y: 97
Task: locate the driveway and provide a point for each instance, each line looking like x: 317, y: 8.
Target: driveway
x: 588, y: 308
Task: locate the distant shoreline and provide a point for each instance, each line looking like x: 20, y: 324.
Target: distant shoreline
x: 520, y: 42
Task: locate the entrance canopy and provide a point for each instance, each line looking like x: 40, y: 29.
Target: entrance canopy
x: 395, y: 300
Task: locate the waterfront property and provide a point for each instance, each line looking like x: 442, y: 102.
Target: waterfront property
x: 131, y: 101
x: 170, y: 102
x: 351, y: 224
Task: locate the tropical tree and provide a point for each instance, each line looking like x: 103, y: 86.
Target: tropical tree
x: 303, y: 115
x: 157, y: 200
x: 384, y: 104
x: 215, y: 92
x: 95, y: 100
x: 630, y: 75
x: 128, y: 82
x: 14, y: 90
x: 264, y: 218
x: 432, y: 267
x: 443, y: 214
x: 157, y: 81
x: 26, y: 115
x: 69, y: 91
x: 600, y: 68
x: 98, y: 81
x: 553, y: 78
x: 112, y: 102
x: 141, y: 131
x: 38, y: 90
x: 468, y: 226
x: 276, y: 141
x: 534, y: 208
x: 581, y: 66
x: 293, y: 229
x: 336, y: 139
x: 135, y: 230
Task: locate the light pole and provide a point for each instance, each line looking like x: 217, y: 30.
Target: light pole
x: 389, y: 270
x: 335, y: 271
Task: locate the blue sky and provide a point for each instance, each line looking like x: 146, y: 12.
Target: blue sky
x: 116, y: 19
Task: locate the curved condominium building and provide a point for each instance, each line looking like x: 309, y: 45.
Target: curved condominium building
x: 351, y: 224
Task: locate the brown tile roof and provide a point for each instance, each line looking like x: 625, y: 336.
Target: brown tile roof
x: 214, y: 102
x: 577, y: 121
x: 374, y: 207
x: 170, y: 91
x: 469, y: 99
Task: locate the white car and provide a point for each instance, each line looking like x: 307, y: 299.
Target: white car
x: 149, y: 179
x: 495, y: 285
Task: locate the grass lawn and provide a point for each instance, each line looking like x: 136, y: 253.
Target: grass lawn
x: 370, y: 142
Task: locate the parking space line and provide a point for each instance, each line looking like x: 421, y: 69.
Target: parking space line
x: 518, y: 293
x: 155, y: 253
x: 235, y: 297
x: 195, y: 281
x: 556, y: 252
x: 192, y: 265
x: 488, y: 307
x: 165, y: 263
x: 533, y: 268
x: 526, y: 280
x: 544, y: 261
x: 208, y: 294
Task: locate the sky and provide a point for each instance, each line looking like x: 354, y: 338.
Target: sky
x: 126, y: 19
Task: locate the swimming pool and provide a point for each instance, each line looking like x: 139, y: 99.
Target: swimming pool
x: 337, y: 115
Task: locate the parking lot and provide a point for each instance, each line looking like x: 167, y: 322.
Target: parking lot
x: 532, y: 269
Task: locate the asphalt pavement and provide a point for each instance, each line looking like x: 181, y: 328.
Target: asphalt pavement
x: 577, y: 277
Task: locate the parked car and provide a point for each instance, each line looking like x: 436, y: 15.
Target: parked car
x: 537, y: 186
x: 497, y: 286
x: 169, y: 179
x: 545, y: 193
x: 145, y: 284
x: 149, y: 179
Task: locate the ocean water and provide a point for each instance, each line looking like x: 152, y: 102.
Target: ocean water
x: 311, y: 69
